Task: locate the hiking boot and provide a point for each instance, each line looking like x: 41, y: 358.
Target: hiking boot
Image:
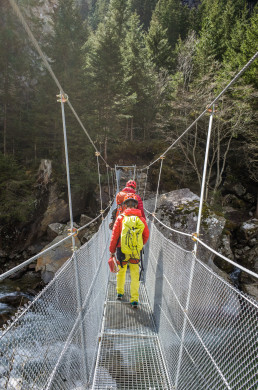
x: 119, y: 297
x: 134, y: 304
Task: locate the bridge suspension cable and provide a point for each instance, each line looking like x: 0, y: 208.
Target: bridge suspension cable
x: 244, y: 68
x: 17, y: 10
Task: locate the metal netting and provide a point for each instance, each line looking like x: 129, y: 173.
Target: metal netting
x: 207, y: 328
x: 192, y: 330
x: 52, y: 343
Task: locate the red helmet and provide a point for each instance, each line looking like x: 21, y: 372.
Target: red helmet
x: 130, y: 197
x: 120, y: 197
x: 131, y: 183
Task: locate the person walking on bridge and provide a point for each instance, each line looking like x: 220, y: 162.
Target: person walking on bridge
x: 130, y: 233
x: 130, y: 188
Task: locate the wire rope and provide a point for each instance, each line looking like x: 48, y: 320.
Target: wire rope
x: 108, y: 183
x: 145, y: 183
x: 157, y: 193
x: 228, y: 260
x: 17, y: 10
x: 100, y: 190
x: 203, y: 179
x: 33, y: 258
x: 245, y: 67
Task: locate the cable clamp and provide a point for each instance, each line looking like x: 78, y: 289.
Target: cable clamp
x: 107, y: 166
x: 74, y: 248
x: 211, y: 110
x: 153, y: 214
x: 194, y: 237
x: 97, y: 154
x: 162, y: 157
x: 62, y: 98
x: 73, y: 232
x: 102, y: 211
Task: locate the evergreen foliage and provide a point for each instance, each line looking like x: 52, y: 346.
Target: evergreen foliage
x: 16, y: 194
x: 135, y: 71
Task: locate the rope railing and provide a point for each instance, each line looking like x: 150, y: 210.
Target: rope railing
x: 193, y: 236
x: 251, y: 273
x: 167, y: 227
x: 33, y: 258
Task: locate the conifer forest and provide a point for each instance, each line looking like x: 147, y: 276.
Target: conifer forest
x: 137, y: 72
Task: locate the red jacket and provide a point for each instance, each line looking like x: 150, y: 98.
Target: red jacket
x: 130, y: 190
x: 117, y: 229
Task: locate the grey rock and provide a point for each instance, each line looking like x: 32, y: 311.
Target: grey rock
x: 239, y: 189
x: 249, y: 230
x: 252, y: 242
x: 44, y: 172
x: 179, y: 210
x: 50, y: 262
x: 47, y: 276
x: 54, y: 230
x: 84, y: 219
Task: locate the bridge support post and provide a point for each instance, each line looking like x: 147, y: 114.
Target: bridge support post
x: 195, y: 248
x: 203, y: 179
x: 77, y: 280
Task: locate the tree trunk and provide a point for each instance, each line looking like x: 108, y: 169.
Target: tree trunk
x: 35, y: 151
x: 256, y: 211
x: 126, y: 130
x: 131, y: 129
x: 105, y: 147
x: 5, y: 127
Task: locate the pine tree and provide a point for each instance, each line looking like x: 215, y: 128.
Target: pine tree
x: 63, y: 49
x: 16, y: 82
x: 218, y: 21
x: 97, y: 12
x: 144, y: 9
x: 139, y: 79
x: 169, y: 22
x: 158, y: 45
x: 243, y: 45
x: 104, y: 74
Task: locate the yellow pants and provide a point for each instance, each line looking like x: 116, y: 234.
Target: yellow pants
x: 135, y: 283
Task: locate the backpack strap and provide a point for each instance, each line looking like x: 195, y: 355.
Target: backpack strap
x: 142, y: 269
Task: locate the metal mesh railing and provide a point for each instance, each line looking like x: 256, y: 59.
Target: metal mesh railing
x: 207, y: 328
x: 52, y: 343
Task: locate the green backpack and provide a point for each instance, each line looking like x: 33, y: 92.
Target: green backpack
x: 131, y: 236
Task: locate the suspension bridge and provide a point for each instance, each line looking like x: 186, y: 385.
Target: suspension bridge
x: 193, y: 330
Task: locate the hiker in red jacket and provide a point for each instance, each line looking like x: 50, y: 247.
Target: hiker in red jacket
x: 133, y: 259
x: 129, y: 189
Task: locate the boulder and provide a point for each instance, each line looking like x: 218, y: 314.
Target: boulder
x: 233, y: 201
x: 179, y: 210
x: 249, y: 230
x: 84, y: 219
x: 57, y: 210
x: 50, y: 262
x: 44, y: 172
x: 54, y: 230
x: 225, y: 249
x: 238, y: 189
x: 246, y: 251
